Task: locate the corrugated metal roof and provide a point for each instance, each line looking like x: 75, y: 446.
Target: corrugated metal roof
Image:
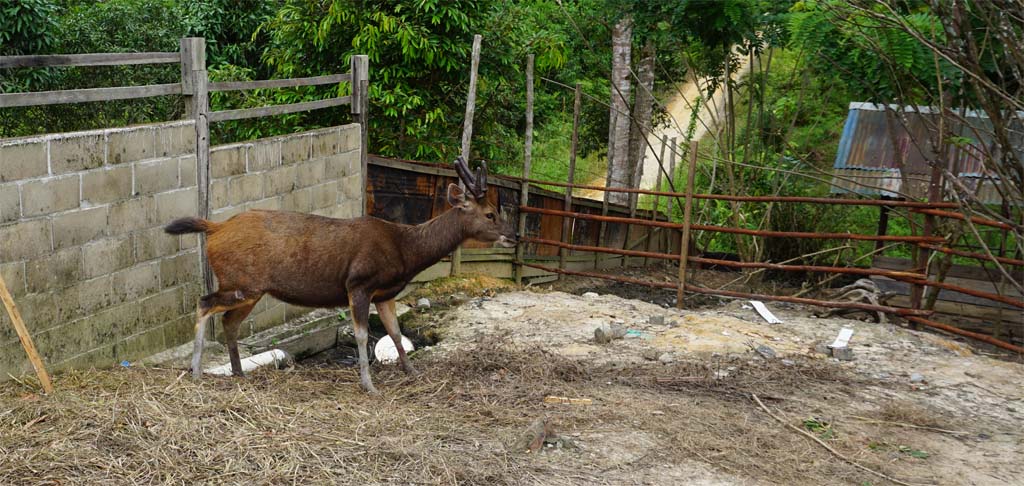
x: 875, y: 137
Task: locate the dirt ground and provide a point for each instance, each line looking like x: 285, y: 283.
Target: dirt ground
x: 669, y: 403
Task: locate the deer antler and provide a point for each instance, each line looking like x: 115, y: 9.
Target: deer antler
x: 476, y: 186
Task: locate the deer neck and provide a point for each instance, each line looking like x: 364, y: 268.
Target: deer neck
x: 429, y: 242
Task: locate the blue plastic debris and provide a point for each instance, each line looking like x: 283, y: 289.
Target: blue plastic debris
x: 126, y: 364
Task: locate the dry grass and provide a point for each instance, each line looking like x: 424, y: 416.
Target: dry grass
x: 451, y: 426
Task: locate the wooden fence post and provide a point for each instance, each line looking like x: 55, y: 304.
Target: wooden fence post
x: 524, y: 194
x: 467, y: 133
x: 360, y: 69
x: 25, y: 337
x: 684, y: 244
x: 194, y: 85
x: 657, y: 187
x: 563, y: 253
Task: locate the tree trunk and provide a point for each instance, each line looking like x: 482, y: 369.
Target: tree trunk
x: 619, y: 173
x: 642, y: 108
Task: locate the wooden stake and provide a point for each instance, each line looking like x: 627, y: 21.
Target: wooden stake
x: 25, y: 337
x: 524, y: 194
x: 467, y: 133
x: 360, y: 69
x: 684, y: 244
x: 563, y: 253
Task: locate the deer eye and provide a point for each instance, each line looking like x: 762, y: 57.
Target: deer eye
x: 490, y: 216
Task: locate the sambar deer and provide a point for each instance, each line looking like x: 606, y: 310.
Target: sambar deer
x: 316, y: 261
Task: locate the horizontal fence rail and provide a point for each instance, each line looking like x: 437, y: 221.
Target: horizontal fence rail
x: 218, y: 116
x: 974, y: 219
x: 723, y: 197
x: 280, y: 83
x: 9, y: 100
x: 741, y: 295
x: 725, y: 229
x: 968, y: 254
x: 106, y: 59
x: 962, y: 332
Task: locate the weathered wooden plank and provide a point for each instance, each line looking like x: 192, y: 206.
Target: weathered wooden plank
x: 219, y: 116
x: 104, y: 59
x: 9, y: 100
x: 25, y: 337
x: 524, y: 194
x: 281, y: 83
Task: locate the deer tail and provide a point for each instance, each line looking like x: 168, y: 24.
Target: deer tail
x: 189, y: 225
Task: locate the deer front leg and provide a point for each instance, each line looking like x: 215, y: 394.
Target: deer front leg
x: 360, y: 307
x: 389, y: 317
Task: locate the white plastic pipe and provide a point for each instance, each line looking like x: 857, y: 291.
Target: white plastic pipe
x: 275, y: 357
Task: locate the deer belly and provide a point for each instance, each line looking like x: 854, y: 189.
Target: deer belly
x: 328, y: 296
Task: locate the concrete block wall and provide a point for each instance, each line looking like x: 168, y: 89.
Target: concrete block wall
x: 81, y: 241
x: 81, y: 246
x: 314, y: 172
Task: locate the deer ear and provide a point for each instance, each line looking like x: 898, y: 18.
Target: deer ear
x: 456, y: 196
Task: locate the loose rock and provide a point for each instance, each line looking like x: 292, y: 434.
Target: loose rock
x: 916, y: 378
x: 666, y: 358
x: 765, y: 351
x: 423, y: 303
x: 656, y: 320
x: 590, y: 295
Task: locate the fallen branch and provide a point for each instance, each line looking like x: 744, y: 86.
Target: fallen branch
x: 826, y: 446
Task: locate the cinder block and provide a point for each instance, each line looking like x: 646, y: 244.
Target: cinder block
x: 95, y: 294
x: 106, y: 185
x: 131, y: 215
x: 140, y: 345
x: 131, y: 145
x: 227, y: 160
x: 326, y: 143
x: 78, y: 227
x: 325, y: 195
x: 74, y: 153
x: 12, y: 360
x: 219, y: 193
x: 268, y: 204
x: 45, y: 196
x: 56, y: 271
x: 42, y: 311
x: 189, y: 241
x: 177, y: 140
x: 179, y: 269
x: 343, y: 164
x: 310, y: 173
x: 64, y: 341
x: 187, y: 171
x: 190, y: 294
x: 352, y: 187
x: 295, y: 148
x: 245, y: 188
x: 226, y: 213
x: 23, y: 160
x: 179, y: 331
x: 273, y: 316
x: 25, y: 239
x: 176, y: 204
x: 135, y: 282
x: 107, y: 255
x: 10, y: 203
x: 350, y: 137
x: 300, y: 200
x: 154, y: 243
x: 111, y: 324
x: 156, y: 310
x: 279, y: 181
x: 264, y: 155
x: 100, y: 357
x: 156, y: 176
x: 13, y: 274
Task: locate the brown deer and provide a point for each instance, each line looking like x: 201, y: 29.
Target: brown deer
x: 316, y: 261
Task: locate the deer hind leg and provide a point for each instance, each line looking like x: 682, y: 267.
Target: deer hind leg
x: 219, y: 301
x: 232, y: 320
x: 360, y: 305
x: 389, y: 317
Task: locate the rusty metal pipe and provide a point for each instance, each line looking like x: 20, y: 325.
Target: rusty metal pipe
x: 968, y: 254
x: 724, y: 229
x: 954, y: 215
x: 742, y: 295
x: 974, y: 335
x: 723, y: 197
x: 963, y: 290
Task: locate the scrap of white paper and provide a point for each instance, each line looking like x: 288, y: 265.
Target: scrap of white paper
x: 765, y: 313
x: 843, y: 338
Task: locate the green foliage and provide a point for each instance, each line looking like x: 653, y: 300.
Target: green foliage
x: 26, y: 27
